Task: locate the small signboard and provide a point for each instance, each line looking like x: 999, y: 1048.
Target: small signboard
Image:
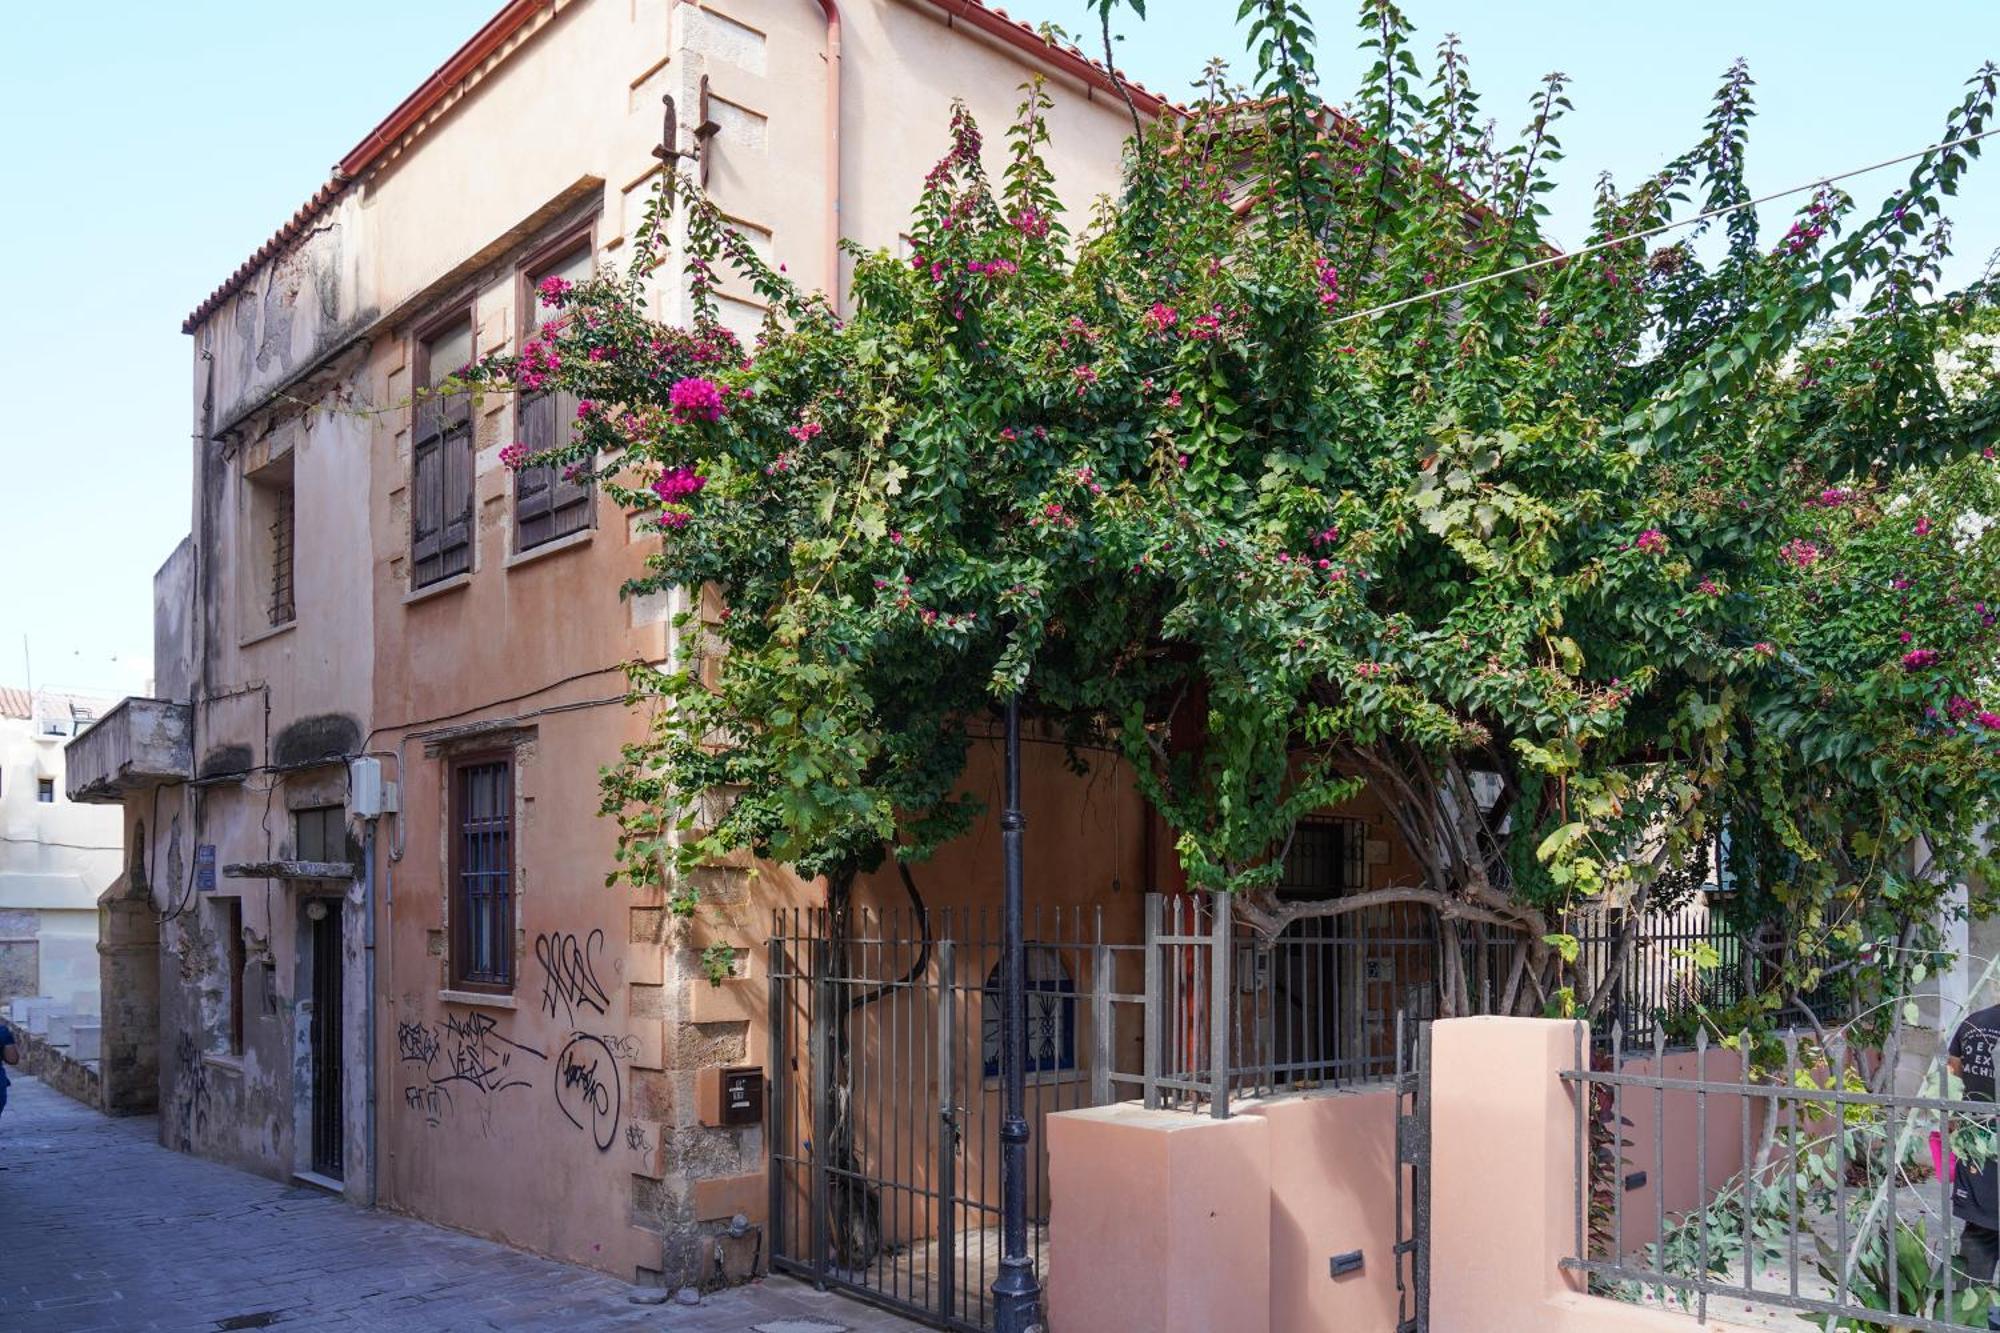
x: 204, y: 867
x: 743, y: 1096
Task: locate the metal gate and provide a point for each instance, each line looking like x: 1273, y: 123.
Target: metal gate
x: 1413, y: 1176
x: 328, y: 1129
x: 885, y: 1106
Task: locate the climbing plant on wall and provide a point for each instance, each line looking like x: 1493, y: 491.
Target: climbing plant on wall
x: 1307, y: 463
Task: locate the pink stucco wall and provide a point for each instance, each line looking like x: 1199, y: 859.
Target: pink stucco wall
x: 1164, y: 1220
x: 1675, y: 1181
x: 1173, y: 1223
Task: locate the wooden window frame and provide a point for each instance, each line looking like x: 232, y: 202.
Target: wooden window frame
x: 554, y: 496
x: 462, y: 310
x: 460, y: 944
x: 238, y: 963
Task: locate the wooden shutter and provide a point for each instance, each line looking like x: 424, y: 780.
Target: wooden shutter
x: 426, y: 493
x: 534, y: 485
x: 455, y: 534
x: 546, y: 504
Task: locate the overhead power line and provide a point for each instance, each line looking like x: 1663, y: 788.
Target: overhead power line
x: 1608, y: 242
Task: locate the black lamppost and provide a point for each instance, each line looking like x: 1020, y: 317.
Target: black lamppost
x: 1017, y: 1291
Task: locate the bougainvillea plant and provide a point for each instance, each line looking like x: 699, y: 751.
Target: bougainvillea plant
x: 1307, y: 464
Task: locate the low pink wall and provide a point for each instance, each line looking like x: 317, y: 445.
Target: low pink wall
x: 1161, y: 1220
x: 1332, y: 1173
x: 1674, y: 1179
x: 1503, y: 1186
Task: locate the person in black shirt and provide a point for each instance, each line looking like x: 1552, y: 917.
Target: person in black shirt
x: 1975, y: 1194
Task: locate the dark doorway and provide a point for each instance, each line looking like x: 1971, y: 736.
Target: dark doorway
x: 327, y: 1125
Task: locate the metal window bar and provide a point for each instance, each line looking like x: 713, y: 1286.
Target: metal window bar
x: 486, y: 872
x: 283, y: 607
x: 1757, y: 1210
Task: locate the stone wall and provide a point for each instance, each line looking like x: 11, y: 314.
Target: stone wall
x: 53, y: 1066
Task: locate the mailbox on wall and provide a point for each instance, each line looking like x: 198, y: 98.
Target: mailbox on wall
x: 732, y: 1096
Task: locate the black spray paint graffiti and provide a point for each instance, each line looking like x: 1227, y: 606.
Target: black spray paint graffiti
x: 587, y: 1087
x: 569, y: 974
x: 468, y: 1054
x: 636, y: 1140
x: 191, y: 1093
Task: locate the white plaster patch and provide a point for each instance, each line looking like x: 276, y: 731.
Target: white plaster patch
x: 740, y: 317
x: 648, y: 88
x: 741, y: 129
x: 652, y: 608
x: 722, y: 38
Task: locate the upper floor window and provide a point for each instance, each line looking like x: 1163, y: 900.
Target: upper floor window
x: 441, y: 488
x: 45, y: 790
x: 319, y: 833
x: 1327, y: 858
x: 547, y: 503
x: 269, y: 586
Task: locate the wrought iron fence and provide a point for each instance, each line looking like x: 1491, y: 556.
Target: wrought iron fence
x: 1678, y: 967
x: 885, y: 1112
x: 1774, y: 1178
x: 1230, y: 1013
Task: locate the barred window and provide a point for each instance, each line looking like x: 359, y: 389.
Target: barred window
x: 283, y: 606
x: 482, y: 873
x: 1051, y: 1015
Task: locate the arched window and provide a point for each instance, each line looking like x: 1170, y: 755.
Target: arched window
x: 1051, y: 1015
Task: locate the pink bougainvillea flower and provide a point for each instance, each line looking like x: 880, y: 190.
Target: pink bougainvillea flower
x: 1709, y: 588
x: 679, y: 483
x: 1960, y: 708
x: 1799, y: 552
x: 1652, y: 541
x: 1919, y: 658
x: 586, y: 410
x: 674, y: 518
x: 1762, y: 648
x: 696, y: 398
x: 1174, y: 399
x: 1923, y: 528
x: 1160, y: 318
x: 1329, y: 283
x: 554, y: 290
x: 513, y: 456
x: 1989, y: 720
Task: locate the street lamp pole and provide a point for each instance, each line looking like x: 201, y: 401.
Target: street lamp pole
x: 1017, y: 1291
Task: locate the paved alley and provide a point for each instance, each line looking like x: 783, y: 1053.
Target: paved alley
x: 101, y: 1228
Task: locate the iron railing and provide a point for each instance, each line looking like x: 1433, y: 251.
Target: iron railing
x: 1797, y: 1187
x: 1231, y: 1013
x: 1679, y: 967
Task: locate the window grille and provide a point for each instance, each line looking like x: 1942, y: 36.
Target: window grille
x: 283, y: 607
x: 482, y: 873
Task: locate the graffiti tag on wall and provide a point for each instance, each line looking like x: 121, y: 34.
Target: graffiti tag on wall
x: 569, y: 974
x: 587, y: 1087
x: 467, y: 1055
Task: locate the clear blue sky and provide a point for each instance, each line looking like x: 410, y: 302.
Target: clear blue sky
x: 148, y: 148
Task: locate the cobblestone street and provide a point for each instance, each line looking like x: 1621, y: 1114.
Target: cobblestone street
x: 101, y: 1228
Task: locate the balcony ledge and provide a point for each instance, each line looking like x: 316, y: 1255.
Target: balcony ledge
x: 291, y: 870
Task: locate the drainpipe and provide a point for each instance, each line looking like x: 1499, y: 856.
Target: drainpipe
x: 832, y: 9
x: 368, y: 971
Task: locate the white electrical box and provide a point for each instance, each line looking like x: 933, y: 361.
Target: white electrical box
x: 367, y: 795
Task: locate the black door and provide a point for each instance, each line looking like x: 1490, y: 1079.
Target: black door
x: 327, y: 1130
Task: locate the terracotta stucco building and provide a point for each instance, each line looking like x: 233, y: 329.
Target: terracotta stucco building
x: 364, y: 803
